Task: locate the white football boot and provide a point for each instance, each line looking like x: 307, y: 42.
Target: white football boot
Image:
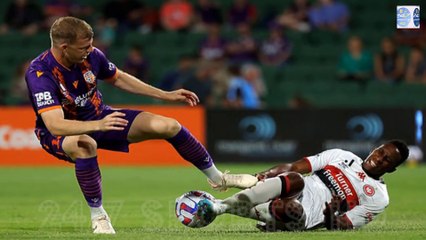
x: 102, y: 225
x: 241, y: 181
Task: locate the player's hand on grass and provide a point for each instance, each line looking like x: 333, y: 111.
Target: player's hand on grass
x: 183, y: 95
x: 113, y: 121
x: 335, y: 203
x: 331, y: 212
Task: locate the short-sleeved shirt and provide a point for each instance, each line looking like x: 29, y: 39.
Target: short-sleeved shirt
x: 52, y: 85
x: 351, y: 65
x: 239, y: 88
x: 341, y: 172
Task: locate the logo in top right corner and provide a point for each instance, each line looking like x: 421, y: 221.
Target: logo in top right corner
x: 416, y: 17
x: 408, y: 17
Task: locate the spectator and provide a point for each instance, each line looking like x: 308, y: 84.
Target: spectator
x: 296, y: 16
x: 253, y: 74
x: 176, y: 15
x: 244, y: 48
x: 242, y: 11
x: 356, y: 64
x: 276, y: 49
x: 18, y: 93
x: 416, y: 68
x: 175, y: 78
x: 329, y: 15
x: 206, y: 14
x: 213, y: 47
x: 389, y: 64
x: 241, y: 92
x: 136, y: 64
x: 201, y: 84
x: 23, y: 16
x: 126, y: 14
x: 54, y: 9
x: 220, y: 78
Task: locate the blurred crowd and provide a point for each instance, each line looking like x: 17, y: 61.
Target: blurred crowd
x: 228, y: 72
x: 388, y: 65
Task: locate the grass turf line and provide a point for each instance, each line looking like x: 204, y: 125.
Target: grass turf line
x: 46, y: 203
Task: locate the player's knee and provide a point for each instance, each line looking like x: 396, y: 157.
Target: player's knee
x: 174, y: 127
x: 81, y: 146
x: 88, y: 145
x: 286, y: 210
x: 169, y: 127
x: 292, y: 184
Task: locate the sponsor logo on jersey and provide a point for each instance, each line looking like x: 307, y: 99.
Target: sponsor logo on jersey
x: 339, y: 185
x: 43, y: 99
x: 111, y: 66
x: 39, y: 73
x: 361, y: 175
x: 369, y: 190
x: 89, y: 77
x: 75, y: 83
x: 81, y: 100
x: 343, y: 164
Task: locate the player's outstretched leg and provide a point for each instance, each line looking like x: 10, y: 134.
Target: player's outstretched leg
x: 193, y: 151
x: 148, y: 126
x: 83, y: 150
x: 287, y: 185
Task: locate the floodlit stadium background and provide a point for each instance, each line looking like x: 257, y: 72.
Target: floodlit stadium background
x: 306, y: 107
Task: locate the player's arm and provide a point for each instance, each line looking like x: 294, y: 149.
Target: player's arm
x: 355, y: 218
x: 301, y: 166
x: 59, y: 126
x: 305, y: 165
x: 131, y: 84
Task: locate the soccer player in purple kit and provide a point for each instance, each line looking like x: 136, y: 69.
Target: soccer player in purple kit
x: 73, y: 122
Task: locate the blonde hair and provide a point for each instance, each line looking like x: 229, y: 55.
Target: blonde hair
x: 69, y: 29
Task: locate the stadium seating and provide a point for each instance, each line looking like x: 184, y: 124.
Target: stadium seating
x: 311, y: 73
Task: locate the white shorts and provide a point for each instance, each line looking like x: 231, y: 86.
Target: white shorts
x: 313, y: 199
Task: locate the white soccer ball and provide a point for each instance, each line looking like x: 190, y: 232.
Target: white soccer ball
x: 195, y: 209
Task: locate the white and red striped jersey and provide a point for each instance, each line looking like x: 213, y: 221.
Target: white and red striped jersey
x: 341, y: 172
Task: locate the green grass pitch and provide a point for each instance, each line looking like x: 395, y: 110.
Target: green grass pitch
x: 45, y: 203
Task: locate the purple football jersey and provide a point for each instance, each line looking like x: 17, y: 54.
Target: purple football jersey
x: 52, y: 85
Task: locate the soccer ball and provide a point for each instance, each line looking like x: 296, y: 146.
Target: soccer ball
x: 195, y: 209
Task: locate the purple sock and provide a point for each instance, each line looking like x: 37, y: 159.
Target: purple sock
x: 191, y: 149
x: 89, y: 178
